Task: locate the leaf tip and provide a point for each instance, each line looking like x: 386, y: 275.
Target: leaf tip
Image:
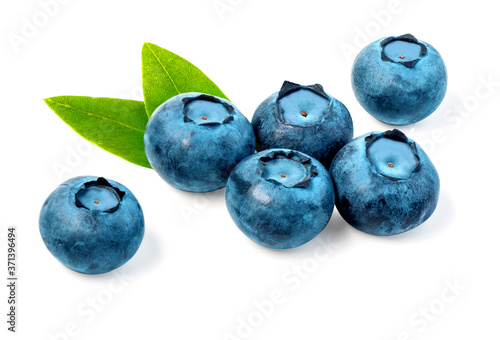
x: 147, y: 44
x: 48, y: 101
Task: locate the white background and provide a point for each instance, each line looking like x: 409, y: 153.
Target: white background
x: 196, y: 276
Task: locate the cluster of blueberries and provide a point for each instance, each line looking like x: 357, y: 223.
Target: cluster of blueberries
x: 281, y: 197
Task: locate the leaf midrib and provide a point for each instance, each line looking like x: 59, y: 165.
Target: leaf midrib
x: 164, y: 69
x: 93, y: 114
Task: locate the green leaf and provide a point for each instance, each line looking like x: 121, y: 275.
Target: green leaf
x: 165, y: 74
x: 115, y: 125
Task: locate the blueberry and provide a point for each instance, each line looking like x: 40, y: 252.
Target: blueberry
x: 385, y: 184
x: 92, y: 225
x: 280, y: 198
x: 399, y: 80
x: 194, y: 140
x: 303, y: 118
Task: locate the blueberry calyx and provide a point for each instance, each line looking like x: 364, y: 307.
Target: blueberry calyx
x: 289, y: 87
x: 311, y: 170
x: 395, y: 135
x: 408, y: 38
x: 211, y: 99
x: 103, y: 183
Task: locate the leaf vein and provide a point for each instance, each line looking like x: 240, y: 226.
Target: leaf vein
x: 95, y: 115
x: 164, y: 69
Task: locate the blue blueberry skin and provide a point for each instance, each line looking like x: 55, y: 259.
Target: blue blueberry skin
x: 272, y: 214
x: 193, y: 141
x: 321, y: 139
x: 91, y: 241
x: 399, y: 93
x: 378, y: 204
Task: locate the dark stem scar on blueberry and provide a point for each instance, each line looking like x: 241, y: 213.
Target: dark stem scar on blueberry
x: 311, y: 169
x: 408, y: 38
x: 208, y: 98
x: 304, y: 114
x: 395, y: 135
x: 102, y: 183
